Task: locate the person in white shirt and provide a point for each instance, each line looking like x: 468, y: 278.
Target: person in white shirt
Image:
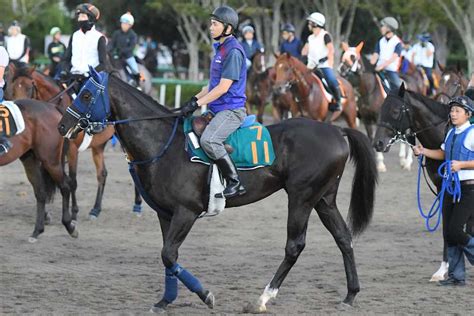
x: 423, y: 56
x: 5, y: 144
x: 320, y: 52
x: 87, y: 47
x: 386, y: 56
x: 17, y: 44
x: 458, y: 149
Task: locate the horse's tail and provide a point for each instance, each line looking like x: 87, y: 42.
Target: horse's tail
x: 365, y: 179
x: 49, y: 185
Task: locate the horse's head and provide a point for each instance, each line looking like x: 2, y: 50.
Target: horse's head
x: 89, y: 109
x: 284, y: 74
x: 450, y: 85
x: 21, y: 84
x: 394, y: 121
x: 351, y: 62
x: 258, y: 62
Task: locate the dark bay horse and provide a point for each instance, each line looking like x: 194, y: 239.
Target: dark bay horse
x: 409, y: 113
x: 292, y: 76
x: 41, y: 151
x: 26, y: 82
x: 310, y: 159
x: 371, y: 96
x: 259, y: 85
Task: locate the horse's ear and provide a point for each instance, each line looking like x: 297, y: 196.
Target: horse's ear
x: 288, y: 56
x: 276, y: 55
x: 359, y: 47
x: 441, y: 67
x: 12, y: 67
x: 31, y: 70
x: 344, y: 46
x: 94, y: 73
x: 401, y: 90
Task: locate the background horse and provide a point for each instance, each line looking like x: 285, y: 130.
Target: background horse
x: 259, y: 85
x: 146, y: 77
x: 371, y: 96
x: 408, y: 113
x: 310, y: 159
x: 28, y: 83
x: 452, y: 84
x: 293, y: 77
x: 40, y: 149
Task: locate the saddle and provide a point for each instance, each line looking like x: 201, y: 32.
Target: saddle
x: 325, y: 86
x: 199, y: 123
x: 11, y: 119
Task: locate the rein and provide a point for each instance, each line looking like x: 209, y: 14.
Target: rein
x: 61, y: 93
x: 450, y: 184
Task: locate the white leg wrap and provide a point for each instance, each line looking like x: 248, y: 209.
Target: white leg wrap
x: 442, y: 271
x: 268, y: 293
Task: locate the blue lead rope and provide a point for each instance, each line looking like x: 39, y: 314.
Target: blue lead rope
x: 450, y: 184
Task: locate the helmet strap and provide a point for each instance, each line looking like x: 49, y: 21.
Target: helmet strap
x: 223, y: 34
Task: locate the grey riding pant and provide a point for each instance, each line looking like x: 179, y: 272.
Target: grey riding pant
x: 220, y: 127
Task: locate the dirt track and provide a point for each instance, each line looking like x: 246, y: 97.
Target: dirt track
x: 115, y: 266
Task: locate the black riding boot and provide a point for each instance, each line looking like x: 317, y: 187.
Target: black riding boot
x: 337, y: 97
x: 229, y: 172
x: 5, y: 146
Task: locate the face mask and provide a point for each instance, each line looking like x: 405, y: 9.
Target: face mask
x: 85, y: 25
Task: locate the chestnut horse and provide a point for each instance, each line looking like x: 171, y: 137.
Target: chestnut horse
x: 41, y: 151
x: 25, y: 82
x: 452, y: 84
x: 308, y: 98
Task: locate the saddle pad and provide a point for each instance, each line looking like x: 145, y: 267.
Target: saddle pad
x: 253, y: 147
x: 11, y: 119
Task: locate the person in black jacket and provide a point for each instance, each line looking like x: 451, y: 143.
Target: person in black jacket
x: 56, y: 50
x: 123, y: 44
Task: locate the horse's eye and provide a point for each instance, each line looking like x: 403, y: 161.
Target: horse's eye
x: 395, y: 112
x: 86, y: 97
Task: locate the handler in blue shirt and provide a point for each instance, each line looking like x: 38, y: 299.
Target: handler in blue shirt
x: 225, y: 96
x: 291, y: 44
x: 250, y: 45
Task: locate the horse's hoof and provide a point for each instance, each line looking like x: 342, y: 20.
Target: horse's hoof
x: 210, y: 300
x: 381, y: 168
x: 47, y: 219
x: 137, y: 210
x: 345, y: 307
x: 254, y: 309
x: 32, y: 240
x: 74, y: 233
x: 92, y: 218
x: 94, y: 212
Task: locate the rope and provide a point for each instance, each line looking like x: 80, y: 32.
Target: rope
x: 450, y: 184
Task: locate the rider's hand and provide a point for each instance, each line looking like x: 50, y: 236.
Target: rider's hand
x: 378, y: 68
x: 418, y: 150
x: 190, y: 106
x: 456, y: 165
x: 63, y: 76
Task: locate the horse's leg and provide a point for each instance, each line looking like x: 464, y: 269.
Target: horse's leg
x: 73, y: 158
x: 137, y: 207
x: 36, y: 177
x: 56, y: 171
x: 260, y: 110
x: 401, y: 155
x: 298, y: 216
x: 378, y: 155
x: 334, y: 223
x: 181, y: 223
x: 276, y: 113
x: 408, y: 158
x: 101, y: 171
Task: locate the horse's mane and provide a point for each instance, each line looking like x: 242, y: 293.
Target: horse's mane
x: 437, y: 108
x: 141, y: 97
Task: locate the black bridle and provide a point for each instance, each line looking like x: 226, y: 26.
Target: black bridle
x: 402, y: 126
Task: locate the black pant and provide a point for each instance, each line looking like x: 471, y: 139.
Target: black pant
x: 456, y: 215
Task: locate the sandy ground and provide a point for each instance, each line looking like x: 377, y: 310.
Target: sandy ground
x: 115, y: 267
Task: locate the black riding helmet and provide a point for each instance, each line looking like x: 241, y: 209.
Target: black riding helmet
x: 227, y: 16
x: 462, y: 101
x: 90, y: 10
x: 288, y: 27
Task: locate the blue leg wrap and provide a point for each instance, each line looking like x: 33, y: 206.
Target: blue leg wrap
x: 137, y: 208
x: 171, y: 287
x: 189, y: 280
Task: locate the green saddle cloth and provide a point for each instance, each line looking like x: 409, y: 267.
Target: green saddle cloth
x: 252, y: 146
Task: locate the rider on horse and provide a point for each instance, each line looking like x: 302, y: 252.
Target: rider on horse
x: 123, y: 43
x: 225, y: 95
x: 423, y: 56
x: 320, y: 51
x: 5, y: 144
x: 250, y: 45
x: 387, y: 52
x: 290, y: 44
x: 458, y: 149
x: 87, y: 46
